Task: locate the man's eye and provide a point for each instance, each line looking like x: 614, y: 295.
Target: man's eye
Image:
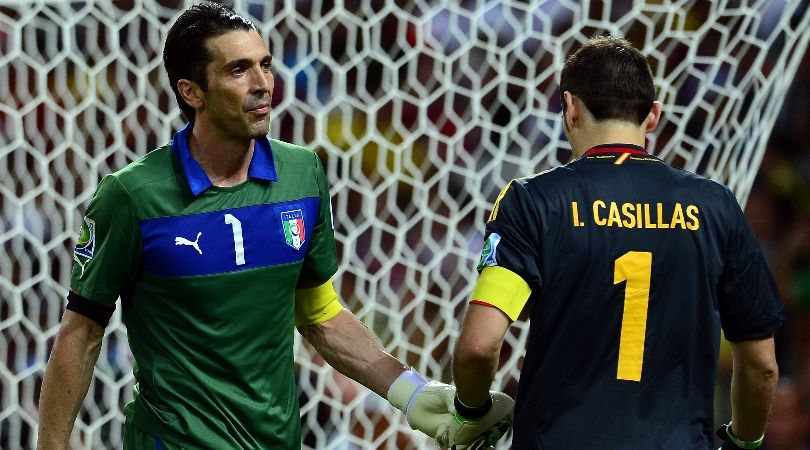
x: 238, y: 71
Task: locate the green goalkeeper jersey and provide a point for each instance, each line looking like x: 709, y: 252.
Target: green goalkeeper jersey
x: 207, y: 278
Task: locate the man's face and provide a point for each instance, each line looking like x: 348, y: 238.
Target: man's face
x: 240, y: 85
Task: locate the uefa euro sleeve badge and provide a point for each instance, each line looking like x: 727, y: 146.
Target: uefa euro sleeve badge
x: 489, y: 252
x: 86, y: 245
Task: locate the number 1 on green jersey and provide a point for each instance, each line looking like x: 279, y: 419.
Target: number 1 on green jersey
x: 238, y: 244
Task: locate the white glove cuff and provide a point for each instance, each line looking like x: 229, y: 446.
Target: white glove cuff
x: 404, y: 389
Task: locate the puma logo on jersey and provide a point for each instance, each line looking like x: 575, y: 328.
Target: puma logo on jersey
x: 183, y: 241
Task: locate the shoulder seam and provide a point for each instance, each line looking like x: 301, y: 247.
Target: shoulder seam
x: 124, y: 189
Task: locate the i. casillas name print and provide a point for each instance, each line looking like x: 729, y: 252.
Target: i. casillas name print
x: 602, y: 213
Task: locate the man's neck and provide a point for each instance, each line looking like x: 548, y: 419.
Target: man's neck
x: 607, y: 132
x: 225, y: 161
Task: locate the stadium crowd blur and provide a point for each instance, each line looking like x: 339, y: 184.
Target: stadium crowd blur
x: 778, y: 210
x: 373, y: 205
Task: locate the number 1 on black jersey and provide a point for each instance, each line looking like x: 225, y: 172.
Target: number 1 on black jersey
x: 634, y: 268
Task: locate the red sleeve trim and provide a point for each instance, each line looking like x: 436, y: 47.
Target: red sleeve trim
x: 483, y: 303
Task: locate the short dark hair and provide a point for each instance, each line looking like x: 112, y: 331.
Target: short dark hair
x: 185, y: 54
x: 612, y: 78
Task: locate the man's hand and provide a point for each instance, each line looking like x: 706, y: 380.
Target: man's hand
x: 431, y: 407
x: 428, y: 406
x: 731, y: 442
x: 482, y: 428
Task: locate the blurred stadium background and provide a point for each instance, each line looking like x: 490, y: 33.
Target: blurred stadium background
x: 421, y: 112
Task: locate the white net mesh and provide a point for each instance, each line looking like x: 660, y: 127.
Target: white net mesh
x: 422, y: 112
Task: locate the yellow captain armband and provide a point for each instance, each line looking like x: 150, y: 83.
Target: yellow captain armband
x: 502, y: 289
x: 316, y: 305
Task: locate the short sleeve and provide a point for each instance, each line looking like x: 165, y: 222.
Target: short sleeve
x: 107, y: 254
x: 748, y: 298
x: 321, y: 262
x: 512, y: 235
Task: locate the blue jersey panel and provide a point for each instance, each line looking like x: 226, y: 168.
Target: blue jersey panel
x: 228, y: 240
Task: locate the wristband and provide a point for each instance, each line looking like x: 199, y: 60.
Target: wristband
x: 470, y: 413
x: 404, y: 389
x: 740, y: 443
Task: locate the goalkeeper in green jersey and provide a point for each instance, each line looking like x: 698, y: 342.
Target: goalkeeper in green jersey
x: 217, y: 243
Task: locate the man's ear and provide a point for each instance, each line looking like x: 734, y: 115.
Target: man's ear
x: 651, y: 122
x: 191, y: 92
x: 572, y: 110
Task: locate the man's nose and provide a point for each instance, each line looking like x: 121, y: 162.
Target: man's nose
x: 261, y: 81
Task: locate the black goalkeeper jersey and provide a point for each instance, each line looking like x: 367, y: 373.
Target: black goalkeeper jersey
x: 633, y: 265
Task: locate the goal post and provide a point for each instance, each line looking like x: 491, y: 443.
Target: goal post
x: 421, y: 111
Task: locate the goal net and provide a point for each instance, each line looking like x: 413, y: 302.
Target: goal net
x: 421, y: 112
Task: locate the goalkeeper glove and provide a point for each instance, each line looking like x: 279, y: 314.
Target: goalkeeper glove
x: 731, y: 442
x: 477, y: 428
x: 428, y: 405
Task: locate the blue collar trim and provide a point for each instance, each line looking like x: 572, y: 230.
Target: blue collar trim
x: 261, y: 166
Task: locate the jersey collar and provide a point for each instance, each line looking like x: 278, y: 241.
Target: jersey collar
x: 261, y: 166
x: 616, y: 148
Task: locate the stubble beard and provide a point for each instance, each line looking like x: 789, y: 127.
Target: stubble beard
x: 243, y: 126
x: 260, y: 128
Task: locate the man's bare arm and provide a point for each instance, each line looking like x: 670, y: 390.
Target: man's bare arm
x: 477, y: 353
x: 753, y: 386
x: 67, y: 378
x: 351, y: 348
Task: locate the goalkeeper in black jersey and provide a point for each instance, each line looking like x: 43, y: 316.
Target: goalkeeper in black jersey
x: 628, y: 269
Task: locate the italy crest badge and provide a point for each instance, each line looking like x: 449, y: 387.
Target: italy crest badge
x: 293, y: 223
